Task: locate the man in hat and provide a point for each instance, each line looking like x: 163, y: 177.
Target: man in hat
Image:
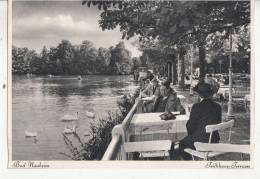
x: 206, y: 112
x: 168, y: 101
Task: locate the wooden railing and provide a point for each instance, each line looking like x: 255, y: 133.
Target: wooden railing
x: 115, y: 150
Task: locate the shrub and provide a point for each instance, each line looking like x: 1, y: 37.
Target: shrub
x: 100, y: 133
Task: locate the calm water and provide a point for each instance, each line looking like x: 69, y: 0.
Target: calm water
x: 39, y: 102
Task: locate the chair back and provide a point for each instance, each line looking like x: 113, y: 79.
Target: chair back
x: 221, y: 126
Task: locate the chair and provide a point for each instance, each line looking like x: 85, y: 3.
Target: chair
x: 210, y: 129
x: 163, y: 146
x: 152, y: 148
x: 223, y: 148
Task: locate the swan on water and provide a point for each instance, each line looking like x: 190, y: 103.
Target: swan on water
x: 79, y: 78
x: 90, y: 114
x: 68, y: 130
x: 30, y: 134
x: 68, y: 117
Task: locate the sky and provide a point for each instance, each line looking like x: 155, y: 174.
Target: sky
x: 46, y: 23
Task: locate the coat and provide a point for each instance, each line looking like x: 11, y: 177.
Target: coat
x: 153, y: 92
x: 204, y: 113
x: 172, y: 103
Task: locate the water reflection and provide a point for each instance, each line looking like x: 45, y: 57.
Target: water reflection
x: 39, y: 102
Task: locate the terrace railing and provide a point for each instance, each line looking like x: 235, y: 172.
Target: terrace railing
x: 115, y: 150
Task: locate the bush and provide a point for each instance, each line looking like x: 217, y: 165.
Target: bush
x: 100, y: 133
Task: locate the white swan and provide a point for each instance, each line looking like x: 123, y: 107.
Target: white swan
x: 79, y: 78
x: 30, y: 134
x: 68, y: 117
x: 68, y: 130
x: 90, y: 114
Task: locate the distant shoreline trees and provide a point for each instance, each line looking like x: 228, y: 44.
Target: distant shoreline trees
x: 68, y: 59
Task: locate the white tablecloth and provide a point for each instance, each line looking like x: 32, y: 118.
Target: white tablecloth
x: 142, y: 120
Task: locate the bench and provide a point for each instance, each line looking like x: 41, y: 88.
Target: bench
x: 159, y: 148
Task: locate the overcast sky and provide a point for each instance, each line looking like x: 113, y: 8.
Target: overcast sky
x: 36, y: 24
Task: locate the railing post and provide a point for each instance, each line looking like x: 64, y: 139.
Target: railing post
x: 119, y: 131
x: 119, y: 137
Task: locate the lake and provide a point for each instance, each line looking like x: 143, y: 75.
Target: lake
x: 39, y: 102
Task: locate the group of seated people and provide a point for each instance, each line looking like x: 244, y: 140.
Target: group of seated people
x: 158, y: 96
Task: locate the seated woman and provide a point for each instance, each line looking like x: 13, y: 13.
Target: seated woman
x: 168, y: 101
x: 150, y: 95
x: 204, y: 113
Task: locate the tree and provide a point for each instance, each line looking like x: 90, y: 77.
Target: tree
x: 103, y: 60
x: 18, y: 63
x: 21, y: 59
x: 120, y: 59
x: 65, y: 55
x: 88, y: 55
x: 174, y: 22
x: 218, y: 45
x: 136, y: 63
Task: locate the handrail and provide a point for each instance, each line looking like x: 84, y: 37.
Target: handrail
x: 128, y: 118
x: 115, y: 149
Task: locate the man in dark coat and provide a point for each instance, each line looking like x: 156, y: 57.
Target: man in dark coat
x: 168, y: 101
x: 204, y: 113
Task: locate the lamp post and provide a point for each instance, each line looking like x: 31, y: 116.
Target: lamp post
x: 191, y: 68
x: 178, y: 69
x: 230, y: 103
x: 220, y: 65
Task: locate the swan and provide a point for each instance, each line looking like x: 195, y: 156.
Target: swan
x: 30, y: 134
x: 68, y: 130
x: 79, y: 78
x: 68, y: 117
x: 90, y: 114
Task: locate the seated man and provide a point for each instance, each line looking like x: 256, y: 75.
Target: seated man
x: 144, y: 84
x: 206, y: 112
x: 150, y: 75
x: 149, y: 95
x: 168, y: 101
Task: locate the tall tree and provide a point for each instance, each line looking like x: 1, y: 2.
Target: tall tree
x: 65, y: 55
x: 88, y: 55
x: 173, y: 21
x: 120, y: 59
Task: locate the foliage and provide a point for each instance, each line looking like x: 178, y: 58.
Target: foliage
x: 173, y: 22
x: 100, y: 133
x: 68, y: 59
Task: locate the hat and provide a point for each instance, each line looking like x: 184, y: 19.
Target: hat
x: 166, y: 83
x: 151, y: 71
x: 204, y: 89
x: 155, y: 80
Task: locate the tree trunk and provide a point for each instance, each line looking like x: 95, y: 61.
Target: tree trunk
x: 202, y: 56
x: 181, y: 56
x: 169, y: 71
x: 174, y: 72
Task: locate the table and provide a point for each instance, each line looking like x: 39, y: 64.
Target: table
x: 151, y: 123
x: 224, y: 91
x: 181, y: 96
